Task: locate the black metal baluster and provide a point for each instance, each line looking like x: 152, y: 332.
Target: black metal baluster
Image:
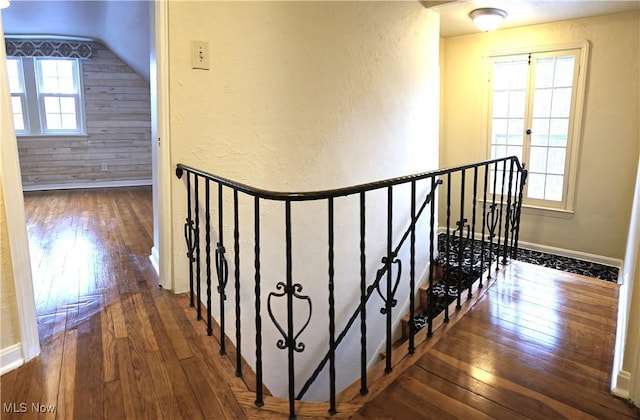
x: 188, y: 232
x: 484, y: 225
x: 412, y: 271
x: 332, y: 322
x: 523, y: 180
x: 447, y: 270
x: 432, y: 267
x: 389, y: 295
x: 514, y: 214
x: 461, y: 245
x: 289, y: 294
x: 504, y: 178
x: 507, y: 218
x: 236, y: 249
x: 491, y: 223
x: 207, y: 215
x: 473, y: 231
x: 363, y: 299
x: 197, y: 238
x: 259, y: 397
x: 222, y: 269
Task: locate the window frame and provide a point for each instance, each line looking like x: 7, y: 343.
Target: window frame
x: 545, y: 207
x: 33, y: 98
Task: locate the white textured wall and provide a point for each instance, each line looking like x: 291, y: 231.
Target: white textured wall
x: 609, y: 145
x: 304, y: 96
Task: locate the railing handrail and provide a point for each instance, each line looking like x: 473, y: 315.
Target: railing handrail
x: 336, y: 192
x: 499, y: 205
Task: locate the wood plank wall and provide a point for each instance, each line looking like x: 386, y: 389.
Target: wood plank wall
x: 118, y: 120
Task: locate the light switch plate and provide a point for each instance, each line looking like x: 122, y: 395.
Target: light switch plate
x: 200, y: 55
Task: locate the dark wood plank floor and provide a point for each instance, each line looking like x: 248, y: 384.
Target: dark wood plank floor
x: 537, y: 345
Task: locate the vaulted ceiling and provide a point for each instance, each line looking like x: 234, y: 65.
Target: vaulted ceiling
x: 123, y: 26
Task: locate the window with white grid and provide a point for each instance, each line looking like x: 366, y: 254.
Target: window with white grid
x: 46, y: 95
x: 534, y: 115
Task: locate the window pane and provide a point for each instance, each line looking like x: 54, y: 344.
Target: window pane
x: 68, y: 105
x: 540, y: 132
x: 57, y: 75
x: 54, y: 122
x: 542, y: 103
x: 51, y: 105
x: 499, y: 152
x: 564, y: 71
x: 500, y: 104
x: 68, y: 121
x: 555, y: 164
x: 499, y: 131
x: 516, y: 131
x: 515, y: 151
x: 538, y: 159
x: 18, y: 116
x: 553, y: 188
x: 60, y: 113
x: 517, y: 104
x: 544, y: 72
x: 561, y: 102
x: 559, y: 132
x: 14, y: 73
x: 535, y: 187
x: 519, y: 70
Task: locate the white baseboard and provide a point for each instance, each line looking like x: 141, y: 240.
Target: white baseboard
x: 155, y: 260
x: 82, y: 185
x: 598, y: 259
x: 11, y: 358
x: 621, y: 386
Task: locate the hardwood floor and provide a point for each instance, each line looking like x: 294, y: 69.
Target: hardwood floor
x: 538, y: 344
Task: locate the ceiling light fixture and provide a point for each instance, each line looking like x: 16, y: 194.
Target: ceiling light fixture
x: 487, y: 18
x: 4, y: 4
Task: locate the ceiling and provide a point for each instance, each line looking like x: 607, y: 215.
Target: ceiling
x: 455, y: 21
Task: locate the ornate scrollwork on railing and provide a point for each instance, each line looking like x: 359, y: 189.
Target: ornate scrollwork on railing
x: 492, y: 218
x: 189, y: 234
x: 222, y: 269
x: 289, y: 340
x: 388, y: 266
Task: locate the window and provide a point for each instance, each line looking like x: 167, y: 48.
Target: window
x: 45, y: 95
x: 536, y: 102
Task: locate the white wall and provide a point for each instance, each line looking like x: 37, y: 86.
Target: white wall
x: 609, y: 145
x: 304, y: 96
x: 123, y: 26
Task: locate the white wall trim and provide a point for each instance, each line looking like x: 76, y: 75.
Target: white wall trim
x: 11, y: 185
x: 155, y: 260
x: 11, y: 358
x: 83, y: 185
x: 164, y: 172
x: 622, y: 381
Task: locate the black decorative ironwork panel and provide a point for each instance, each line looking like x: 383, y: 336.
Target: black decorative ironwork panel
x: 289, y: 341
x: 392, y: 303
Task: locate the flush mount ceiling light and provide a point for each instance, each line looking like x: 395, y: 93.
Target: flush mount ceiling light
x: 4, y: 4
x: 487, y: 18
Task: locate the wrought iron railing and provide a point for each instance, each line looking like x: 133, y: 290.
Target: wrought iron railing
x: 485, y: 197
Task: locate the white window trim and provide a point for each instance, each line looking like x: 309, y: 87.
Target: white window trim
x: 33, y: 108
x: 569, y: 208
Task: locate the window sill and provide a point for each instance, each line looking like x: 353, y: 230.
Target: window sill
x: 78, y: 136
x: 547, y: 211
